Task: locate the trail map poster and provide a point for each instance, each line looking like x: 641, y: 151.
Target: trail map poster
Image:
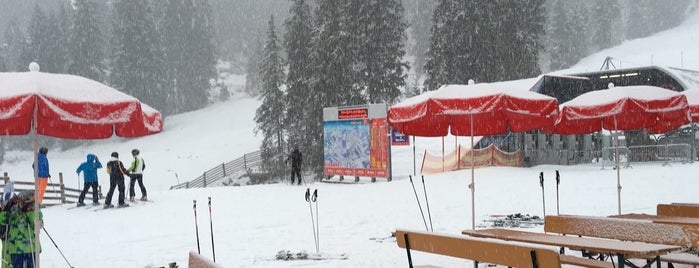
x: 354, y: 143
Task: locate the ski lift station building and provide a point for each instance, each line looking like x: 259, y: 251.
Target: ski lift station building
x: 541, y: 148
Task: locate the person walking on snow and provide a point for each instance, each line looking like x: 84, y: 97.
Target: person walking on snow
x: 43, y: 174
x: 296, y: 159
x: 89, y: 170
x: 116, y: 179
x: 136, y: 171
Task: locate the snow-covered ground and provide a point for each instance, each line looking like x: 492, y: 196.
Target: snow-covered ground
x: 251, y: 224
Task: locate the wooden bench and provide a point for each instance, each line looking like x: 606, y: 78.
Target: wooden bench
x: 630, y: 230
x: 478, y: 250
x: 678, y: 210
x: 624, y: 229
x: 621, y: 249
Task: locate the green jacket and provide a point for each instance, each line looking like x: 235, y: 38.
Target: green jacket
x: 20, y: 238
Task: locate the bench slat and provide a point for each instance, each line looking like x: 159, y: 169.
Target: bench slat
x: 678, y: 210
x: 624, y: 229
x: 478, y: 249
x: 585, y: 262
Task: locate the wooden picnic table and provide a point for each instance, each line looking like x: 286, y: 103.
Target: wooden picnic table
x: 624, y: 250
x: 658, y: 219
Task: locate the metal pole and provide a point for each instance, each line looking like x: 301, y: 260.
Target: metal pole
x: 618, y: 174
x: 473, y: 185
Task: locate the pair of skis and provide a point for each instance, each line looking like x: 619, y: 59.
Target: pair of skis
x: 211, y: 223
x: 426, y: 202
x: 310, y: 199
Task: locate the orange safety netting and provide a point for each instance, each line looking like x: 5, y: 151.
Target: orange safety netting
x: 488, y: 156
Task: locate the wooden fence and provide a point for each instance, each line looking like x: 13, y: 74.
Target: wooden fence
x: 246, y: 164
x: 56, y: 193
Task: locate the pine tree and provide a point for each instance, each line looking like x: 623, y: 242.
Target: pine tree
x: 252, y: 69
x: 605, y: 16
x: 567, y: 46
x: 381, y: 50
x: 332, y: 82
x: 16, y: 42
x: 86, y: 54
x: 437, y: 53
x: 269, y: 116
x: 190, y: 56
x: 137, y: 56
x: 297, y: 42
x: 519, y: 39
x: 37, y: 45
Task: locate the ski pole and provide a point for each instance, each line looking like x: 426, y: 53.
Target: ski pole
x: 558, y: 181
x: 310, y: 208
x: 418, y: 202
x: 54, y: 243
x: 427, y: 202
x: 314, y: 199
x: 211, y: 225
x: 196, y: 225
x: 543, y: 198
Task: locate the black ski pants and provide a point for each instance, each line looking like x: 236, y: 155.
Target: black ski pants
x: 136, y: 178
x: 95, y: 194
x: 295, y: 172
x: 115, y: 182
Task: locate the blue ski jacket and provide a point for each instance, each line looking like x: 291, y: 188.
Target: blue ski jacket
x: 43, y: 171
x: 89, y: 168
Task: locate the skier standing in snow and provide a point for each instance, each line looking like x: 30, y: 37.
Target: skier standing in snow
x: 296, y: 158
x: 136, y: 174
x: 43, y: 173
x: 20, y: 241
x: 116, y: 179
x: 89, y: 170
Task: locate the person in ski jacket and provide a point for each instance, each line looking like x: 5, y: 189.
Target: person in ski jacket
x: 43, y: 174
x: 136, y: 171
x: 296, y: 158
x: 116, y: 172
x: 18, y: 217
x: 9, y: 189
x: 89, y: 170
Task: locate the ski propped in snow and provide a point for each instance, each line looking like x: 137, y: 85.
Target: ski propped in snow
x: 287, y: 255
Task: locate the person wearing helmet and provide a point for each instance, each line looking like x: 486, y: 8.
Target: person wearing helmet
x: 89, y: 170
x: 43, y: 174
x: 136, y: 171
x: 18, y: 214
x: 116, y: 179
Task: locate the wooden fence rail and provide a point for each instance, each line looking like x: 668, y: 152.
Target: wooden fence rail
x: 245, y: 164
x: 56, y: 193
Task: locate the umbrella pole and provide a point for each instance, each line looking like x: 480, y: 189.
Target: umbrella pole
x: 473, y: 184
x: 37, y: 263
x: 618, y: 174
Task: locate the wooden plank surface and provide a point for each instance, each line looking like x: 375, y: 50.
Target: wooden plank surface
x: 481, y: 250
x: 629, y: 248
x: 658, y: 219
x: 678, y: 210
x: 624, y: 229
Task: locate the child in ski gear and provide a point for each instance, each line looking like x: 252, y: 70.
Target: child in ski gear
x: 43, y: 174
x: 18, y: 214
x: 136, y: 171
x: 8, y: 190
x: 89, y: 170
x: 116, y: 179
x: 296, y: 159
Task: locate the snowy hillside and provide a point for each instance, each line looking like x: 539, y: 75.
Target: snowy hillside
x: 251, y: 224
